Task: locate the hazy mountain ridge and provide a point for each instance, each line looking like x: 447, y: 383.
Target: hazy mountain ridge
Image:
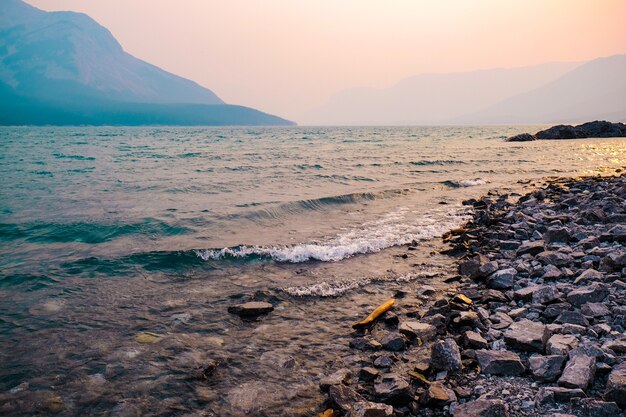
x: 68, y: 64
x: 488, y: 97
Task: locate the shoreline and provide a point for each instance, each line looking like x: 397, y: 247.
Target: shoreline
x: 531, y: 326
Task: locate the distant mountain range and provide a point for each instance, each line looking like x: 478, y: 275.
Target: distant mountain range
x: 548, y: 93
x: 64, y: 68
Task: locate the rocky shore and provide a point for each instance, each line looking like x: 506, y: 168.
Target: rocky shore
x: 596, y: 129
x: 532, y: 324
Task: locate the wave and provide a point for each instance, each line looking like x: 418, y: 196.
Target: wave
x: 465, y: 183
x: 398, y: 228
x: 438, y: 162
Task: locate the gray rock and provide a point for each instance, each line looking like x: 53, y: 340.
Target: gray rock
x: 617, y: 346
x: 446, y: 356
x: 578, y: 372
x: 561, y: 344
x: 370, y: 409
x: 595, y: 408
x: 616, y: 385
x: 415, y: 329
x: 338, y: 377
x: 499, y: 362
x: 251, y: 309
x: 384, y: 361
x: 594, y: 310
x: 482, y: 408
x: 502, y: 280
x: 394, y: 342
x: 487, y: 269
x: 554, y: 258
x: 546, y: 368
x: 589, y: 294
x: 527, y: 335
x: 393, y: 389
x: 545, y: 295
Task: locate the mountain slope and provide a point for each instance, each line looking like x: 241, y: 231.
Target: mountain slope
x: 595, y: 90
x: 433, y: 98
x: 64, y: 63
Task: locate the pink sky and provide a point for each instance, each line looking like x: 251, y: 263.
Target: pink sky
x: 288, y: 56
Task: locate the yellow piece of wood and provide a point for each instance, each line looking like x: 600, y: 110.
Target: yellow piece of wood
x: 375, y: 314
x: 420, y: 377
x: 328, y: 413
x: 463, y: 298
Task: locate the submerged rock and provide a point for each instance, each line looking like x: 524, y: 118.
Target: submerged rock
x: 251, y: 309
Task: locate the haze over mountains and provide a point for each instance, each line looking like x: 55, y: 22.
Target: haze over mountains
x: 64, y: 68
x: 548, y: 93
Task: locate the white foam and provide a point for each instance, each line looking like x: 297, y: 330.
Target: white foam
x: 469, y: 183
x: 400, y: 227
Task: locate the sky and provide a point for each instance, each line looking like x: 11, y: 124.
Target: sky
x: 289, y: 56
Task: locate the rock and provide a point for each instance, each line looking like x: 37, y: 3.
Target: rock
x: 617, y: 346
x: 393, y: 389
x: 527, y: 335
x: 54, y: 404
x: 414, y: 329
x: 394, y: 342
x: 482, y: 408
x: 339, y: 377
x: 446, y: 356
x: 487, y: 269
x: 365, y: 343
x: 554, y: 258
x: 368, y: 374
x: 437, y: 395
x: 557, y: 235
x: 532, y: 248
x: 594, y: 310
x: 578, y: 372
x: 616, y: 385
x: 572, y: 317
x: 251, y: 309
x: 474, y: 340
x: 561, y: 344
x: 499, y: 362
x: 471, y: 267
x: 545, y: 295
x: 615, y: 234
x: 546, y: 368
x: 589, y: 275
x: 551, y: 273
x: 384, y: 361
x: 522, y: 137
x: 343, y: 397
x: 559, y: 132
x: 502, y: 280
x: 559, y: 394
x: 148, y: 337
x: 370, y: 409
x: 595, y: 408
x: 590, y: 294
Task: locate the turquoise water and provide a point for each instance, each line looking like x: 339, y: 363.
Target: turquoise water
x: 109, y: 232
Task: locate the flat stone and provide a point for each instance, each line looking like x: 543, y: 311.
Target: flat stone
x: 533, y: 248
x: 554, y: 258
x: 446, y: 356
x: 558, y: 394
x: 502, y: 280
x: 251, y: 309
x: 526, y: 293
x: 546, y: 368
x: 368, y: 374
x: 415, y: 329
x: 545, y: 295
x: 589, y: 275
x: 343, y: 397
x: 616, y: 385
x: 338, y: 377
x: 527, y: 335
x: 474, y: 340
x: 499, y: 362
x: 578, y: 372
x: 588, y: 294
x: 365, y: 343
x: 594, y: 310
x: 437, y: 395
x: 482, y: 408
x: 572, y: 317
x: 370, y: 409
x: 393, y: 389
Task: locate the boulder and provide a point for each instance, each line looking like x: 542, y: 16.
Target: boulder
x: 561, y: 344
x: 482, y: 408
x: 546, y: 368
x: 578, y: 372
x: 522, y: 137
x: 474, y: 340
x: 499, y: 362
x: 616, y: 385
x: 527, y: 335
x: 446, y: 356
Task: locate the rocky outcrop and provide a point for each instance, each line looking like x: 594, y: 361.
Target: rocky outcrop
x: 596, y: 129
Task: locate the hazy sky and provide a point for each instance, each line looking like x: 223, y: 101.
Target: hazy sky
x: 287, y: 56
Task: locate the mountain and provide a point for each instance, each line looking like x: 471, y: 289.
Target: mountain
x: 594, y: 90
x: 65, y: 63
x: 433, y: 98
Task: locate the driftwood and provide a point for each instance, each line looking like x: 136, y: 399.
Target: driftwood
x: 375, y: 314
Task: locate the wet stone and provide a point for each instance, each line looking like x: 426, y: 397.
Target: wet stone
x: 527, y: 335
x: 446, y: 356
x: 482, y: 408
x: 338, y: 377
x: 578, y: 372
x: 499, y: 362
x: 251, y: 309
x: 546, y: 368
x: 343, y: 397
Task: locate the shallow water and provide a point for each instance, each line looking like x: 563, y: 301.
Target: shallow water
x: 109, y: 232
